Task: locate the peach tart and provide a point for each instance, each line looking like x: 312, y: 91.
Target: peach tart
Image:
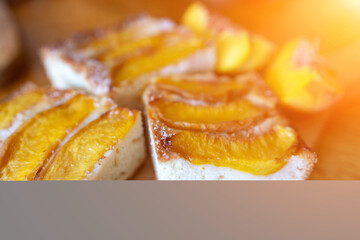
x: 203, y: 127
x: 118, y: 60
x: 48, y: 134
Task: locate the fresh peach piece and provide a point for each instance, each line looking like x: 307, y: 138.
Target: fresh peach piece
x: 233, y: 49
x: 196, y: 17
x: 261, y: 51
x: 237, y: 50
x: 301, y: 78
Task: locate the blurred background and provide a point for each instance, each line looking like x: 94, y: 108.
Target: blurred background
x: 334, y: 133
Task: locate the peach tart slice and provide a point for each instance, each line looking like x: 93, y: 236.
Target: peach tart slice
x: 66, y: 135
x: 204, y: 127
x: 118, y: 60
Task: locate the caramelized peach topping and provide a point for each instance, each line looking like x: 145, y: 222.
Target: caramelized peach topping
x: 9, y: 109
x: 237, y: 49
x: 204, y: 90
x: 258, y: 155
x: 301, y: 78
x: 31, y: 146
x: 65, y: 140
x: 168, y: 52
x: 183, y: 112
x: 82, y: 152
x: 204, y: 132
x: 129, y: 56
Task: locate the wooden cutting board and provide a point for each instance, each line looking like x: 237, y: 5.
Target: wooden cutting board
x: 333, y: 134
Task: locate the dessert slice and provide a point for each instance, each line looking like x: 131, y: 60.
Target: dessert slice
x: 80, y: 137
x: 117, y: 61
x: 204, y: 127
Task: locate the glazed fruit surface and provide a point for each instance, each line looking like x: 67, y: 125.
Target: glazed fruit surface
x: 126, y: 54
x: 83, y: 150
x: 64, y: 140
x: 9, y: 109
x: 30, y: 147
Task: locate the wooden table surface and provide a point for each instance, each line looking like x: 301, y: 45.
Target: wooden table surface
x: 334, y: 134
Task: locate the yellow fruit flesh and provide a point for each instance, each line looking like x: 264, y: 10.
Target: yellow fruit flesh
x: 284, y: 76
x: 300, y: 80
x: 261, y: 50
x: 29, y: 148
x: 237, y: 51
x: 197, y: 87
x: 156, y: 59
x: 262, y: 155
x: 79, y: 155
x: 139, y: 46
x: 232, y: 49
x: 182, y: 112
x: 9, y: 109
x: 196, y: 17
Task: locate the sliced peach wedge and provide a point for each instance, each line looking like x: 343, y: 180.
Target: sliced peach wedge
x: 301, y: 78
x: 156, y: 57
x: 237, y: 49
x: 214, y: 136
x: 24, y: 104
x: 257, y: 155
x: 79, y: 155
x: 9, y: 109
x: 203, y: 103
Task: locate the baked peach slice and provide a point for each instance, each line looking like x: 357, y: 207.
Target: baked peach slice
x: 77, y: 158
x: 257, y: 155
x: 166, y: 52
x: 207, y: 87
x: 211, y: 136
x: 237, y: 49
x: 24, y: 104
x: 201, y: 102
x: 301, y: 78
x: 8, y: 110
